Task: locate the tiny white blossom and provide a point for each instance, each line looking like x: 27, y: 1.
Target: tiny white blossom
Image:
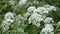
x: 30, y: 11
x: 22, y: 2
x: 42, y: 10
x: 31, y: 8
x: 48, y: 20
x: 37, y: 24
x: 10, y: 20
x: 50, y: 8
x: 38, y: 11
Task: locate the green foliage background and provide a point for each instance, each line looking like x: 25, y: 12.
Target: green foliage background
x: 6, y: 7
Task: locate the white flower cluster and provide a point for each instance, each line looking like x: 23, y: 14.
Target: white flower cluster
x: 35, y: 19
x: 48, y: 7
x: 48, y: 20
x: 30, y: 11
x: 40, y: 10
x: 22, y: 2
x: 8, y: 19
x: 37, y: 14
x: 48, y: 29
x: 45, y: 9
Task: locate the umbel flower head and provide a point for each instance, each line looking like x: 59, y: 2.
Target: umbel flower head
x: 48, y: 29
x: 5, y: 26
x: 9, y: 17
x: 48, y: 20
x: 35, y: 19
x: 50, y: 8
x: 42, y: 10
x: 30, y: 11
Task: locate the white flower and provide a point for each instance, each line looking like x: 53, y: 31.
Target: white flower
x: 38, y: 11
x: 48, y: 20
x: 47, y: 7
x: 5, y: 26
x: 9, y: 17
x: 53, y: 8
x: 49, y: 26
x: 31, y: 8
x: 48, y: 29
x: 29, y: 3
x: 50, y: 8
x: 35, y: 19
x: 42, y: 10
x: 22, y: 2
x: 10, y: 20
x: 30, y: 11
x: 37, y: 24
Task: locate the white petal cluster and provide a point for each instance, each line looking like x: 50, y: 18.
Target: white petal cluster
x: 31, y: 8
x: 5, y: 26
x: 8, y: 19
x: 22, y: 2
x: 48, y: 20
x: 42, y: 10
x: 50, y: 8
x: 38, y: 14
x: 35, y: 19
x: 48, y: 29
x: 30, y: 11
